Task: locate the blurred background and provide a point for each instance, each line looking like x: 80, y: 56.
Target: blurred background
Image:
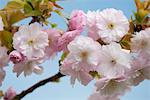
x: 63, y: 90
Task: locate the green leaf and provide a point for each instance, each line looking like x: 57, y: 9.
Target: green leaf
x: 27, y: 8
x: 125, y: 41
x: 34, y: 3
x: 12, y: 12
x: 64, y: 55
x: 6, y: 39
x: 4, y: 17
x: 10, y: 17
x: 58, y: 12
x: 16, y: 16
x: 15, y: 4
x: 34, y: 13
x: 53, y: 25
x: 30, y: 11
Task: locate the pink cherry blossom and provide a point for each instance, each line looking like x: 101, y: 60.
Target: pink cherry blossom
x: 141, y: 41
x: 66, y: 38
x: 113, y: 25
x: 16, y: 57
x: 53, y: 36
x: 76, y: 72
x: 84, y: 49
x: 28, y: 67
x: 113, y: 60
x: 31, y: 41
x: 112, y: 86
x: 140, y: 69
x: 77, y: 20
x: 10, y: 94
x: 83, y: 57
x: 1, y: 24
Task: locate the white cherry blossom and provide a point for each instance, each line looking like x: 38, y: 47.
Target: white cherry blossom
x: 84, y: 49
x: 31, y: 41
x: 83, y: 57
x: 113, y: 25
x: 112, y: 86
x: 113, y: 60
x: 141, y: 41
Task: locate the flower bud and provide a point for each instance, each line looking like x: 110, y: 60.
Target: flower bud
x: 16, y: 57
x: 9, y: 94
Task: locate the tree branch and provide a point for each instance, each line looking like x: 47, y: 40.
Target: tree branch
x: 54, y: 78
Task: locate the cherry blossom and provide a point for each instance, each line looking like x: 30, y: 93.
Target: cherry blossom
x: 112, y: 24
x: 141, y: 41
x: 84, y: 49
x: 73, y: 69
x: 102, y: 45
x: 140, y: 69
x: 28, y: 67
x: 9, y: 94
x: 77, y: 20
x: 83, y: 57
x: 31, y: 41
x: 16, y: 57
x: 112, y: 86
x: 113, y: 60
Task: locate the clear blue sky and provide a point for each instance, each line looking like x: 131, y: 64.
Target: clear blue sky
x: 63, y: 90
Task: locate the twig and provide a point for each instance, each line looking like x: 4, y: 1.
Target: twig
x: 54, y: 78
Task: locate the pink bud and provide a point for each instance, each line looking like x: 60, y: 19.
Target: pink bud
x: 10, y: 94
x: 16, y: 57
x: 77, y: 20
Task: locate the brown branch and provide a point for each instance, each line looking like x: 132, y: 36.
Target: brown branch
x: 54, y: 78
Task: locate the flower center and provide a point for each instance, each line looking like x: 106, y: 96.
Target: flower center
x: 111, y: 26
x: 30, y: 42
x: 112, y: 84
x: 113, y: 61
x: 84, y: 55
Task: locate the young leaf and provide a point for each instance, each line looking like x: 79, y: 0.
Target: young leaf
x: 125, y: 41
x: 16, y: 16
x: 15, y: 4
x: 6, y: 39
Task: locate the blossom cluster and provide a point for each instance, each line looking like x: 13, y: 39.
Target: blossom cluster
x: 32, y: 45
x: 100, y: 52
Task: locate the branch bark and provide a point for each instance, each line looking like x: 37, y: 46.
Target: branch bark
x: 54, y: 78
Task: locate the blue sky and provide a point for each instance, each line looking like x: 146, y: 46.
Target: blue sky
x: 63, y: 90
